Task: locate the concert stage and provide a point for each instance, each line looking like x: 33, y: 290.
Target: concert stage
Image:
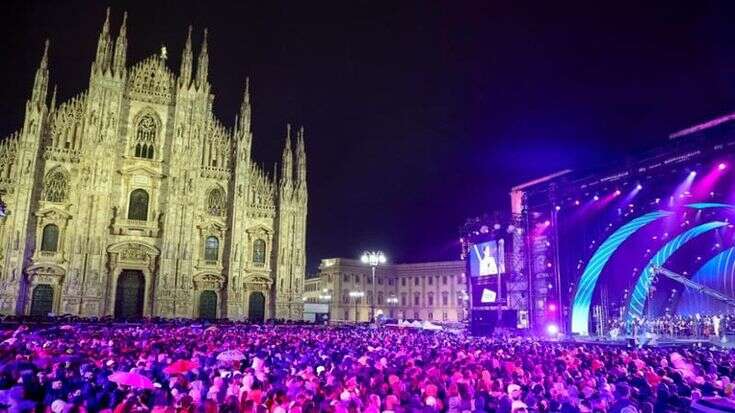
x: 591, y: 239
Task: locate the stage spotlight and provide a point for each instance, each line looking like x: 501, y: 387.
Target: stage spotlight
x: 552, y: 329
x: 639, y: 187
x: 596, y: 198
x: 722, y: 166
x: 617, y: 192
x: 576, y: 202
x: 558, y: 208
x: 552, y: 307
x: 547, y: 222
x: 692, y: 174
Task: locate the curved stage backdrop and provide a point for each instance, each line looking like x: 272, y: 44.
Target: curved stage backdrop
x: 610, y: 243
x: 592, y: 238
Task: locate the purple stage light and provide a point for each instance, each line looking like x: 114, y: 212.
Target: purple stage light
x: 558, y: 208
x: 639, y: 187
x: 617, y: 192
x: 596, y: 198
x: 552, y: 329
x: 722, y: 166
x: 576, y: 202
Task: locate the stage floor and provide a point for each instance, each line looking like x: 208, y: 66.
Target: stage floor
x: 661, y: 342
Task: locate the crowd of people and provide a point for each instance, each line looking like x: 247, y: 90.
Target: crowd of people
x: 669, y: 325
x: 231, y: 367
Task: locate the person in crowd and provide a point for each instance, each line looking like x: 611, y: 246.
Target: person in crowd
x: 184, y: 367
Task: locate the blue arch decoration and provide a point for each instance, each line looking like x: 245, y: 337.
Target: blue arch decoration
x: 640, y: 291
x: 717, y: 273
x: 588, y: 281
x: 705, y: 205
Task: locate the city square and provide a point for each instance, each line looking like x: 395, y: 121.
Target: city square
x: 367, y: 207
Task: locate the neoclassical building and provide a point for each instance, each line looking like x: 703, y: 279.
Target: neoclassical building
x: 131, y: 199
x: 433, y: 291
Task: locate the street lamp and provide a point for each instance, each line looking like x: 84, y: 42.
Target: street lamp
x: 373, y: 258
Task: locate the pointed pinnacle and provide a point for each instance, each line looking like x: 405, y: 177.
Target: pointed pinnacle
x: 124, y: 26
x: 44, y: 58
x: 204, y: 42
x: 246, y: 98
x: 53, y: 99
x: 188, y: 39
x: 106, y: 25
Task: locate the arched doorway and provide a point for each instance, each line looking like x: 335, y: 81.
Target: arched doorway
x: 42, y: 300
x: 256, y: 307
x: 208, y: 305
x: 130, y: 295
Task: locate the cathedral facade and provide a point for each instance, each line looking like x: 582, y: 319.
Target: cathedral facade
x: 132, y: 200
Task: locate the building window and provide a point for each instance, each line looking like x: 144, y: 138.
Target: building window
x: 138, y: 207
x: 415, y: 280
x: 216, y: 202
x: 145, y: 137
x: 345, y: 297
x: 431, y: 316
x: 370, y: 297
x: 403, y: 299
x: 431, y: 299
x: 55, y: 186
x: 369, y: 279
x: 403, y: 282
x: 444, y: 280
x: 211, y: 249
x: 347, y: 315
x: 390, y: 281
x: 415, y: 315
x: 50, y: 238
x: 380, y: 280
x: 380, y: 298
x: 445, y: 316
x: 259, y: 252
x: 445, y: 298
x: 416, y: 299
x: 430, y: 280
x: 345, y: 278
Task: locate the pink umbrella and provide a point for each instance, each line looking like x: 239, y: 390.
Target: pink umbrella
x: 135, y: 380
x: 180, y: 366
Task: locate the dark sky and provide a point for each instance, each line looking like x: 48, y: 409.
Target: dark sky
x: 417, y: 114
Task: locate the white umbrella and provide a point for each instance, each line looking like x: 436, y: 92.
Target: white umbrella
x: 230, y: 355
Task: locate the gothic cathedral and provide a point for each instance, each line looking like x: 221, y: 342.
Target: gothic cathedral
x: 132, y: 200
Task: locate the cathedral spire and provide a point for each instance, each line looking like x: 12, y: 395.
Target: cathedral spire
x: 186, y: 63
x: 203, y: 63
x: 121, y: 47
x: 53, y: 100
x: 102, y: 58
x: 300, y: 158
x: 287, y: 159
x: 40, y: 82
x: 244, y: 118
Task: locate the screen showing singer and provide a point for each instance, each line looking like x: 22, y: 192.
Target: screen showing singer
x: 487, y: 258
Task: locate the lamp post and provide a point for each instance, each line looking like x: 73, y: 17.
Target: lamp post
x: 373, y: 258
x: 356, y: 295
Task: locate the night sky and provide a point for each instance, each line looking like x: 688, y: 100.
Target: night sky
x: 417, y: 114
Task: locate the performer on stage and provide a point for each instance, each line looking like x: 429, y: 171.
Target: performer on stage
x: 487, y: 263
